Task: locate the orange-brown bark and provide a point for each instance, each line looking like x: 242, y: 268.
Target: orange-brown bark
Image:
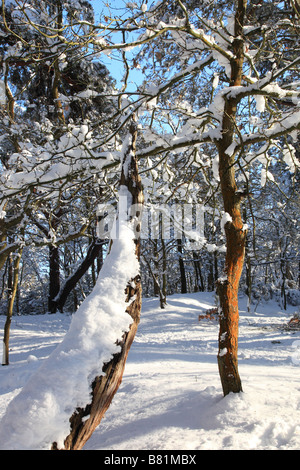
x: 235, y: 235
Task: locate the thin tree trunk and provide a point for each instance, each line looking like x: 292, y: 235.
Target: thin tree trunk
x: 210, y: 277
x: 56, y: 79
x: 54, y: 259
x: 248, y: 282
x: 283, y: 279
x: 181, y: 268
x: 54, y: 277
x: 105, y: 386
x: 12, y: 290
x: 235, y: 234
x: 216, y: 271
x: 163, y: 300
x: 248, y: 270
x: 156, y: 287
x: 198, y: 273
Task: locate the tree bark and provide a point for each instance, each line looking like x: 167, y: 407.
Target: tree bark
x: 12, y: 290
x: 227, y: 289
x: 105, y: 386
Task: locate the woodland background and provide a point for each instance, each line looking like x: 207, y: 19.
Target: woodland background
x: 63, y: 121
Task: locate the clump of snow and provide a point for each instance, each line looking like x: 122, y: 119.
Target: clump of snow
x: 2, y: 93
x: 230, y: 150
x: 39, y: 414
x: 224, y: 220
x: 260, y: 103
x: 215, y: 167
x: 289, y: 158
x: 131, y: 5
x: 223, y: 352
x: 265, y: 175
x: 215, y: 82
x: 223, y: 61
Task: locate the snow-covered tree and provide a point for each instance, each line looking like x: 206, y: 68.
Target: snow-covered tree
x: 53, y: 107
x: 230, y: 71
x: 218, y: 114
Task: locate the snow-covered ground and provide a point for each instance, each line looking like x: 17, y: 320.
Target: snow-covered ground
x: 171, y: 396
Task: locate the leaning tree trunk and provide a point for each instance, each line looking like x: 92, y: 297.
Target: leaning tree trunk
x: 227, y: 288
x: 84, y: 421
x: 92, y: 253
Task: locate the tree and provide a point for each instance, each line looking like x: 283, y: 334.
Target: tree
x: 210, y: 147
x: 12, y: 291
x: 105, y: 386
x: 51, y: 98
x: 234, y: 228
x: 247, y: 50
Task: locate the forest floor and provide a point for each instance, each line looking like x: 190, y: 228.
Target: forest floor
x: 171, y: 396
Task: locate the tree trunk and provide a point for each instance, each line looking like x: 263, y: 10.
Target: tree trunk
x: 163, y: 299
x: 105, y: 386
x: 12, y: 290
x: 210, y: 277
x: 283, y: 279
x: 248, y: 270
x: 216, y: 270
x: 227, y: 288
x: 198, y: 273
x: 92, y: 253
x: 248, y: 281
x: 181, y: 268
x: 156, y: 286
x: 54, y: 277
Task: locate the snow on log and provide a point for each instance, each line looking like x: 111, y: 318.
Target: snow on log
x: 40, y: 413
x: 64, y: 401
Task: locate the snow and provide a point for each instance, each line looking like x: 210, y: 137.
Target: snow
x: 215, y: 167
x: 171, y: 396
x: 260, y: 103
x: 39, y: 415
x: 2, y: 93
x: 266, y: 175
x: 215, y: 81
x: 224, y: 220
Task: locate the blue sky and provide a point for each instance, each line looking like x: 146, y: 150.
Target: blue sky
x: 116, y: 66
